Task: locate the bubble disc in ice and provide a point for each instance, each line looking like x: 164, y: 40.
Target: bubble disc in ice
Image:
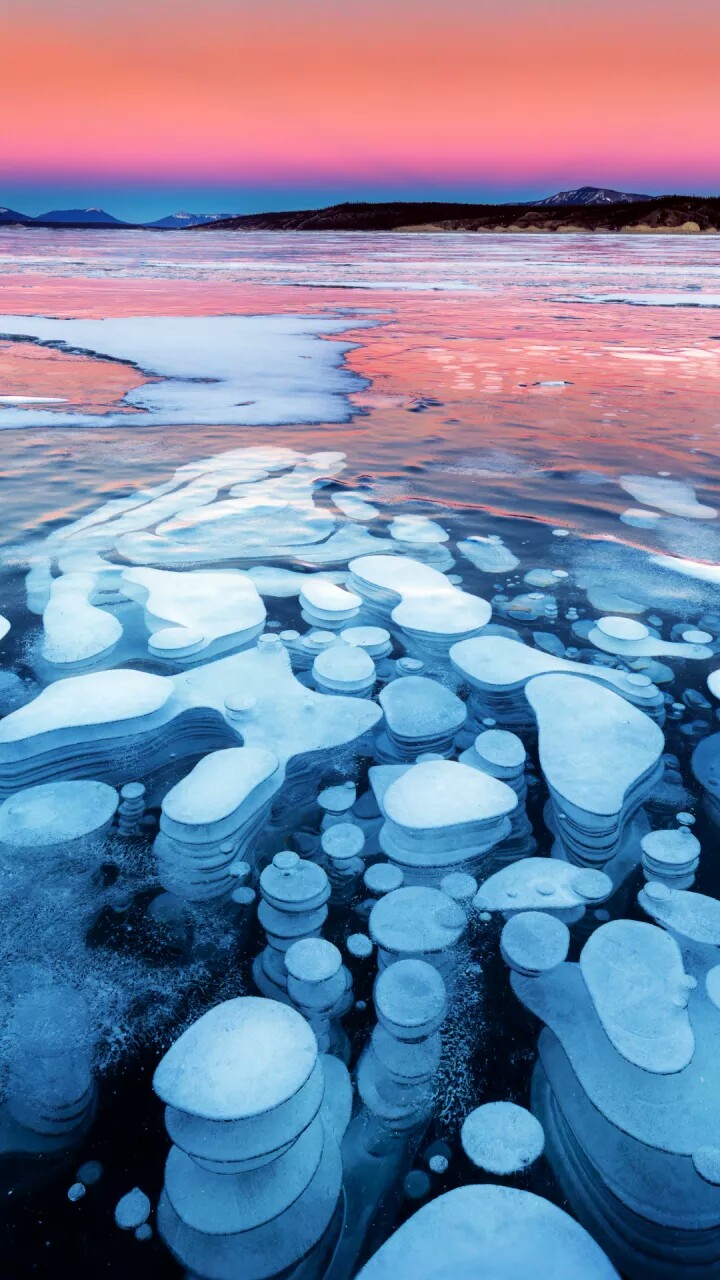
x: 55, y: 813
x: 244, y: 1057
x: 636, y: 980
x: 500, y: 1233
x: 502, y: 1138
x: 416, y: 920
x: 533, y: 942
x: 410, y: 999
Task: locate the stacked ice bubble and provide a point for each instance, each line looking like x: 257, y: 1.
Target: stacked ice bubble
x: 213, y: 817
x: 254, y: 1175
x: 627, y: 1081
x: 359, y: 773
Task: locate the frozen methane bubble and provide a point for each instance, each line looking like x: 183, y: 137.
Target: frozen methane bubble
x: 622, y: 1116
x: 636, y: 980
x: 503, y: 756
x: 132, y: 1210
x: 75, y: 631
x: 382, y: 878
x: 498, y: 669
x: 354, y: 505
x: 420, y: 715
x: 543, y: 884
x: 204, y: 612
x: 344, y: 669
x: 533, y: 942
x: 294, y: 895
x: 50, y: 1087
x: 416, y: 922
x: 693, y: 919
x: 639, y: 518
x: 502, y: 1138
x: 417, y: 529
x: 57, y: 813
x: 492, y: 1231
x: 397, y: 1070
x: 441, y: 815
x: 418, y: 601
x: 673, y: 496
x: 490, y: 555
x: 374, y: 640
x: 212, y: 817
x: 320, y: 987
x: 253, y: 1179
x: 671, y: 856
x: 601, y: 758
x: 628, y: 638
x: 326, y: 605
x: 85, y: 721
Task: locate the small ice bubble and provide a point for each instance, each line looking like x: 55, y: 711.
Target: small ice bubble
x: 416, y: 1184
x: 143, y: 1232
x: 359, y: 945
x: 438, y: 1164
x: 132, y: 1210
x: 90, y: 1172
x: 76, y: 1192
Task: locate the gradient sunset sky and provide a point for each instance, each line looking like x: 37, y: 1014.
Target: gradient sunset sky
x: 241, y: 105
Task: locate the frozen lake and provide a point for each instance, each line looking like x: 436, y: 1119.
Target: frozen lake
x: 496, y: 457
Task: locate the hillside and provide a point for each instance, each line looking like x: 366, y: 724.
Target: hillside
x: 663, y: 213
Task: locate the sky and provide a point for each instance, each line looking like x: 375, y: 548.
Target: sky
x: 149, y: 106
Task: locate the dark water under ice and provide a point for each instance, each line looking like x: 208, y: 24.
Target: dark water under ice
x: 502, y: 386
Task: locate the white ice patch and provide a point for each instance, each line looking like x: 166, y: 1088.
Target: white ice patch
x: 219, y: 370
x: 651, y: 299
x: 673, y: 496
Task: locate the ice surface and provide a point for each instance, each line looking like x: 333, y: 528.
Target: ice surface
x: 232, y: 370
x: 489, y: 1230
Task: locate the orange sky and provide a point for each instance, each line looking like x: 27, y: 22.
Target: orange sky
x: 306, y: 91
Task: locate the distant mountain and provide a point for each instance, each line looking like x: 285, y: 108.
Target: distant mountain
x: 592, y: 195
x: 12, y: 215
x: 91, y: 217
x: 179, y: 221
x: 678, y: 214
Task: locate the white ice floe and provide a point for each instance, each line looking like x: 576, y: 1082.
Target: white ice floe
x: 600, y: 757
x: 489, y: 1231
x: 198, y: 612
x: 655, y: 299
x: 699, y: 569
x: 502, y: 1138
x: 673, y: 496
x: 220, y: 370
x: 638, y: 518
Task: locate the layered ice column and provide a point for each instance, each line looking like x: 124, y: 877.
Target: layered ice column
x: 212, y: 817
x: 601, y: 758
x: 294, y: 894
x: 420, y: 716
x: 441, y: 816
x: 50, y: 1086
x: 627, y: 1087
x: 253, y: 1180
x: 320, y: 987
x: 397, y: 1070
x: 503, y: 756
